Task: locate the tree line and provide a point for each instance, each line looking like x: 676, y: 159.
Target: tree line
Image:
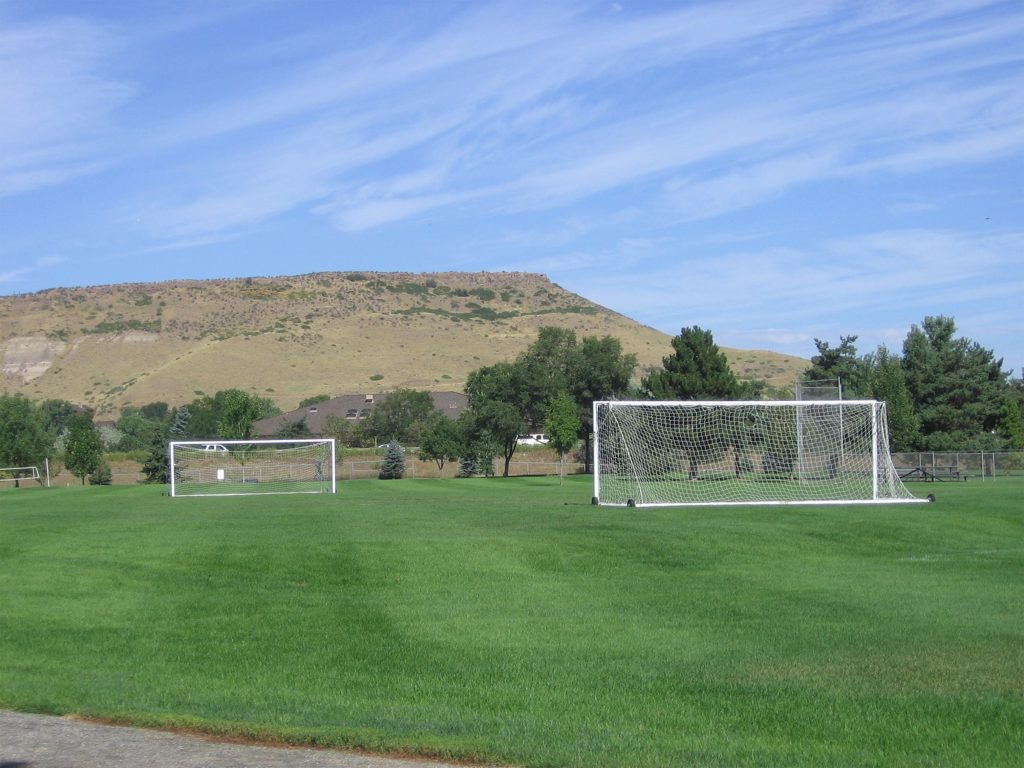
x: 944, y: 392
x: 31, y: 433
x: 551, y: 387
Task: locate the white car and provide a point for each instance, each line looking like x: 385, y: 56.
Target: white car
x: 215, y: 447
x: 536, y: 439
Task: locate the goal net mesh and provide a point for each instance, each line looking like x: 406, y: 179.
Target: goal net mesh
x: 756, y: 452
x: 235, y: 468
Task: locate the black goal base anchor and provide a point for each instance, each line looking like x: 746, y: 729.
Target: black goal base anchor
x: 595, y: 501
x: 931, y: 498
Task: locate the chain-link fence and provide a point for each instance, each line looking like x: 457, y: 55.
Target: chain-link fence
x: 912, y: 465
x: 959, y: 464
x: 367, y: 469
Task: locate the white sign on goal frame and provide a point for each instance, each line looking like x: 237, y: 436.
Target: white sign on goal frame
x: 743, y: 452
x: 251, y: 467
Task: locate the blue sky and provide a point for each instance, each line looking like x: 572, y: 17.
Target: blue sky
x: 772, y: 170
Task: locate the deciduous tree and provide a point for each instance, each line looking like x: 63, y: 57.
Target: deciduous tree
x: 156, y: 411
x: 890, y: 385
x: 547, y: 367
x: 339, y: 428
x: 562, y: 427
x: 588, y: 370
x: 292, y: 430
x: 442, y: 441
x: 399, y: 417
x: 496, y: 408
x: 136, y: 428
x: 83, y: 446
x: 602, y: 372
x: 495, y: 424
x: 24, y: 439
x: 1012, y: 425
x: 238, y: 411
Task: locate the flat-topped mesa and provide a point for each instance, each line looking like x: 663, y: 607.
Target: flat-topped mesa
x: 292, y: 337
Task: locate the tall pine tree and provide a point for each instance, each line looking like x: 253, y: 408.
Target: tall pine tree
x: 156, y: 464
x: 392, y: 467
x: 958, y: 387
x: 697, y: 370
x: 843, y: 364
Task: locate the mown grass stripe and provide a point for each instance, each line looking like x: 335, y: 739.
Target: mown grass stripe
x: 511, y: 621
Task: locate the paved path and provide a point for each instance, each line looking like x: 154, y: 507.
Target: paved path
x: 43, y: 741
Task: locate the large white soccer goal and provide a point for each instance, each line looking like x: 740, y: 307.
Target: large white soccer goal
x: 244, y: 467
x: 658, y: 453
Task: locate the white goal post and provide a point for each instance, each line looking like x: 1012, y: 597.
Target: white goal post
x: 672, y: 453
x: 247, y: 467
x: 17, y: 474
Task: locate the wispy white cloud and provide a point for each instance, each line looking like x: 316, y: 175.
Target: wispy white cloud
x: 23, y: 273
x: 497, y: 111
x: 640, y: 153
x: 56, y: 101
x: 14, y: 275
x: 862, y: 284
x: 303, y: 167
x: 504, y: 77
x: 697, y: 199
x: 560, y: 234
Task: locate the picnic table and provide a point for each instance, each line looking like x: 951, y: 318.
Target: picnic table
x: 931, y: 474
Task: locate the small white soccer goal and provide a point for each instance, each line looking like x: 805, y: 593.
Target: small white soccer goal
x: 247, y: 467
x: 661, y: 453
x: 16, y: 474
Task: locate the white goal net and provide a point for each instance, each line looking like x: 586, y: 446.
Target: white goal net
x: 743, y: 452
x: 244, y: 467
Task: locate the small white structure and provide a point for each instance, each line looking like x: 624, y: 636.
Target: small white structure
x: 538, y: 438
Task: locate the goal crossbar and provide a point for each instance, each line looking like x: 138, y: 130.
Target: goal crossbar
x: 248, y: 467
x: 752, y: 452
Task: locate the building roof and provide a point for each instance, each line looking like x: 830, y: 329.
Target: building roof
x: 353, y: 408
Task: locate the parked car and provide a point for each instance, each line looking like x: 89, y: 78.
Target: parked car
x: 215, y: 447
x: 535, y: 439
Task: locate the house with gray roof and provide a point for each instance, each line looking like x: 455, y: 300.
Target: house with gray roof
x: 353, y: 408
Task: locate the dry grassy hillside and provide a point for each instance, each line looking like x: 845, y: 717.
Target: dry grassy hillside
x: 292, y: 337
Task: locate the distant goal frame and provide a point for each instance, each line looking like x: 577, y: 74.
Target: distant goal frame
x: 680, y: 474
x: 31, y: 472
x: 223, y: 473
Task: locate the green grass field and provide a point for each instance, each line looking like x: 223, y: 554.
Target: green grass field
x: 508, y: 620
